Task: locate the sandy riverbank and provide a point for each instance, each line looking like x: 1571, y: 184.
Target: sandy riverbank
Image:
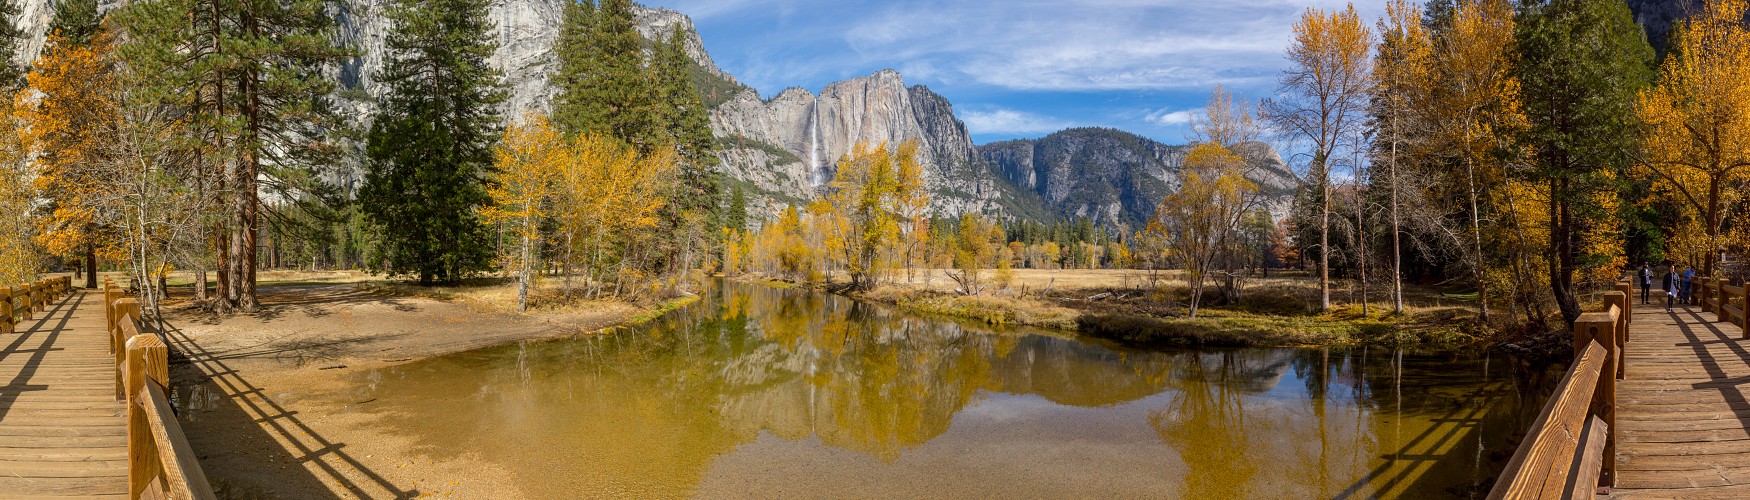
x: 264, y: 392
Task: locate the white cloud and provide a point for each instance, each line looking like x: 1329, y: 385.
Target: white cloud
x: 1174, y: 117
x: 1008, y: 121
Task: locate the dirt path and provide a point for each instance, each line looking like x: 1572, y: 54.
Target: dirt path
x: 260, y: 391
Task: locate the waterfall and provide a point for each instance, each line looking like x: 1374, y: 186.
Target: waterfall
x: 816, y: 173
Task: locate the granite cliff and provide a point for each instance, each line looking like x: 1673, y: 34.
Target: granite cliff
x: 782, y: 150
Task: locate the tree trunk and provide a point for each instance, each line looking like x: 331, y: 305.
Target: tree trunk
x: 1476, y: 227
x: 91, y: 266
x: 1397, y: 252
x: 248, y: 204
x: 1325, y: 235
x: 1361, y: 247
x: 1562, y: 260
x: 1713, y: 227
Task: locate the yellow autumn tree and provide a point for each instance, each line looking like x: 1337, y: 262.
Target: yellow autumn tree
x: 607, y: 204
x: 18, y: 255
x: 1696, y: 132
x: 861, y: 215
x: 1323, y: 101
x: 65, y: 102
x: 977, y: 245
x: 521, y: 188
x: 1403, y: 78
x: 1199, y: 221
x: 1475, y: 109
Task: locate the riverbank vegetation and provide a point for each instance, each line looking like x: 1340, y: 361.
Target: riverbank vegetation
x: 225, y: 163
x: 1518, y: 155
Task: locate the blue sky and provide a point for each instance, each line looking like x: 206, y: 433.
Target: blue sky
x: 1017, y: 69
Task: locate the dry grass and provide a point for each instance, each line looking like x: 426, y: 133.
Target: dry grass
x: 1121, y: 305
x: 546, y: 299
x: 989, y: 309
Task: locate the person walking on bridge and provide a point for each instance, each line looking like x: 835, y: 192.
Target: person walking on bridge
x: 1669, y: 285
x: 1646, y: 282
x: 1688, y: 284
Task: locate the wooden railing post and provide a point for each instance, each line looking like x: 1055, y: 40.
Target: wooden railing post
x: 28, y: 301
x: 1725, y: 298
x: 1601, y: 327
x: 121, y: 310
x: 1744, y: 302
x: 148, y: 363
x: 1619, y: 332
x: 6, y: 319
x: 1703, y: 293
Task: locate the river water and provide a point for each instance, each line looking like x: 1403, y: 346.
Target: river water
x: 756, y: 391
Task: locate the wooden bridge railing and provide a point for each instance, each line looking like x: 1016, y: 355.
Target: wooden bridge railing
x: 26, y: 299
x: 1570, y: 451
x: 1728, y: 303
x: 160, y: 462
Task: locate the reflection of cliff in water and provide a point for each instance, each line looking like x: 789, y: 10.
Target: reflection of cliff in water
x: 878, y: 381
x: 653, y: 411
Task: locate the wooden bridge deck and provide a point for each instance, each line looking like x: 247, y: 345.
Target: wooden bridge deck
x: 1683, y: 408
x: 62, y: 433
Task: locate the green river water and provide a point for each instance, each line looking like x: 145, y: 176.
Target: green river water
x: 762, y: 392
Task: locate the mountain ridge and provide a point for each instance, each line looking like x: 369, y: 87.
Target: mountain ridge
x: 782, y: 149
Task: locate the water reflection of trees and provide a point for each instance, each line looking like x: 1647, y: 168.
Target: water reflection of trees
x: 649, y: 410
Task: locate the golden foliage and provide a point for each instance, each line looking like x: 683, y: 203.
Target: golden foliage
x: 1199, y: 221
x: 1696, y: 132
x: 521, y: 187
x: 18, y: 256
x: 68, y: 99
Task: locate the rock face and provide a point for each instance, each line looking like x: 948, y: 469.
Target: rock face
x: 524, y: 29
x: 1659, y: 17
x: 817, y: 131
x: 1115, y: 177
x: 784, y: 150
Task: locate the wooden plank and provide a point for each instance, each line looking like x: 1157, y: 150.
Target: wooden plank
x: 28, y: 487
x: 1539, y: 467
x: 61, y: 454
x: 1590, y: 461
x: 182, y: 471
x: 93, y: 468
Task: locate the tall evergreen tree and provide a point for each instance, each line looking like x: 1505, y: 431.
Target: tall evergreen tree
x: 684, y: 118
x: 573, y: 49
x: 248, y: 78
x: 430, y: 146
x: 682, y: 123
x: 603, y: 85
x: 736, y: 215
x: 1581, y: 63
x: 11, y: 75
x: 76, y: 21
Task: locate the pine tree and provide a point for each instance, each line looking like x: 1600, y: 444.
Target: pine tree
x: 577, y: 63
x: 736, y: 216
x: 76, y: 21
x: 683, y: 125
x: 685, y: 120
x: 603, y: 85
x: 1581, y: 63
x: 11, y: 75
x: 247, y: 78
x: 432, y: 142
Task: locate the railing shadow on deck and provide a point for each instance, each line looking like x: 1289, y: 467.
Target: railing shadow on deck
x: 291, y: 441
x: 18, y: 386
x: 1728, y: 390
